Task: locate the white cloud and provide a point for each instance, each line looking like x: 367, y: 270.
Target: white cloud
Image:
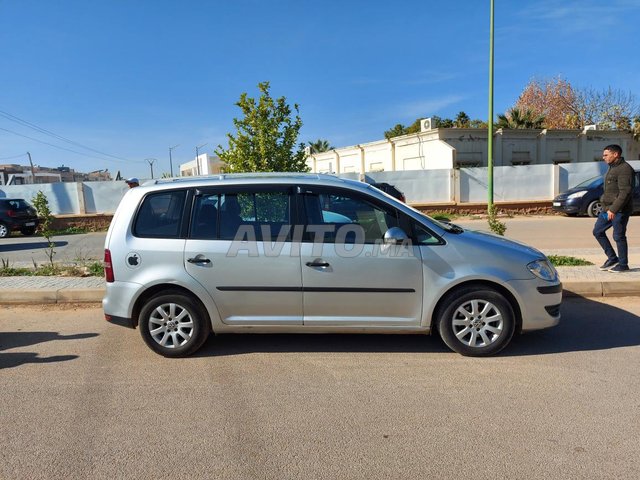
x: 431, y: 106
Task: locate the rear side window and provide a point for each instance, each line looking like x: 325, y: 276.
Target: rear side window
x: 227, y: 216
x: 160, y: 215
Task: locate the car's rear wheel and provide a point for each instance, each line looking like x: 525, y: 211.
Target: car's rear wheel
x: 173, y: 324
x: 4, y: 230
x: 476, y: 321
x: 28, y: 230
x: 594, y: 209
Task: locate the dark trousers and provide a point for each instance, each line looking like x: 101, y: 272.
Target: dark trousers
x: 619, y: 224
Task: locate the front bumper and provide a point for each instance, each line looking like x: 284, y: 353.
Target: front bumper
x: 566, y: 206
x: 539, y: 303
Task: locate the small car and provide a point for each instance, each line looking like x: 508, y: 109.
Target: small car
x: 584, y: 198
x: 310, y: 253
x: 17, y: 214
x: 390, y: 190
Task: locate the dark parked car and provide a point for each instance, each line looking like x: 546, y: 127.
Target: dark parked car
x: 390, y: 190
x: 584, y: 198
x: 17, y: 214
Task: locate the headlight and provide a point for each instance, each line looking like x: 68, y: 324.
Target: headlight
x: 544, y: 270
x: 577, y: 194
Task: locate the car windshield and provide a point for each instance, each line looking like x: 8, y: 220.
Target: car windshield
x: 592, y: 182
x: 446, y: 226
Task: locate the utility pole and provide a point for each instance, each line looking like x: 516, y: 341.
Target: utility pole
x: 150, y: 162
x: 490, y: 122
x: 198, y: 155
x: 33, y: 170
x: 171, y: 160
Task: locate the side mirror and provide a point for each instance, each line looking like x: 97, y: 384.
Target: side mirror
x: 395, y: 236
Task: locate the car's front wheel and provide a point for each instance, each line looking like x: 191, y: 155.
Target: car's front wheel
x: 476, y: 321
x: 173, y: 324
x: 594, y: 208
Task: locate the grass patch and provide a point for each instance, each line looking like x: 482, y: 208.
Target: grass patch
x: 71, y: 231
x: 444, y: 216
x: 93, y: 269
x: 564, y: 261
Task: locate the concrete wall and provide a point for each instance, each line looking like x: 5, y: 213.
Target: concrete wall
x: 447, y: 185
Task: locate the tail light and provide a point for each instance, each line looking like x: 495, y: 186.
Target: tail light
x: 11, y: 213
x: 402, y: 198
x: 108, y: 267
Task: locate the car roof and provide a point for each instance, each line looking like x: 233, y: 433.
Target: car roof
x: 318, y: 179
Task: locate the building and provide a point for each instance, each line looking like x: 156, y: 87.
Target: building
x: 447, y: 148
x: 204, y: 164
x: 13, y: 174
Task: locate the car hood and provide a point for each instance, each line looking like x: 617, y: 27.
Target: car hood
x: 491, y: 244
x: 566, y: 193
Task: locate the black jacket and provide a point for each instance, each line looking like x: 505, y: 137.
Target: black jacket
x: 618, y: 188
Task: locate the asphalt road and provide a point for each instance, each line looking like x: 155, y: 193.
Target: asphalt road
x: 543, y: 232
x: 85, y: 399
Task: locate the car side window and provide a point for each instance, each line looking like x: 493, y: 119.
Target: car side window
x: 244, y: 215
x: 346, y: 218
x: 160, y: 215
x: 425, y: 237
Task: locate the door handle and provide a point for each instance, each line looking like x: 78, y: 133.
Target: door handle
x: 318, y: 263
x: 198, y: 260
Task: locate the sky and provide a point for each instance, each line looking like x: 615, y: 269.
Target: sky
x: 112, y: 84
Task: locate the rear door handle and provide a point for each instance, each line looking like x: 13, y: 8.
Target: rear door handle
x: 318, y: 263
x: 198, y: 260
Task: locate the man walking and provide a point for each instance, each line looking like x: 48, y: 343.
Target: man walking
x: 617, y: 205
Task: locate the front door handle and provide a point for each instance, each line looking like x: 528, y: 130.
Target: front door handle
x: 318, y: 263
x: 198, y: 260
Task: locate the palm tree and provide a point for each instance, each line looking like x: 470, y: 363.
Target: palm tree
x: 462, y: 120
x: 518, y: 119
x: 320, y: 146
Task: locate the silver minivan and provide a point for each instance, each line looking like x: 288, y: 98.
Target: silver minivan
x: 303, y: 253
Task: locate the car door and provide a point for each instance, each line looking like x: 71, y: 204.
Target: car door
x: 240, y: 249
x: 636, y: 192
x: 349, y: 277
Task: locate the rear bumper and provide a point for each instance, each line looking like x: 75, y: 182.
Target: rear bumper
x: 122, y: 321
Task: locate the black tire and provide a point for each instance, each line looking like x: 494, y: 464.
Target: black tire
x: 594, y: 208
x: 175, y: 319
x: 4, y: 230
x: 27, y: 231
x: 476, y: 321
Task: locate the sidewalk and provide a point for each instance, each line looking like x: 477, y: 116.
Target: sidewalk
x: 586, y: 281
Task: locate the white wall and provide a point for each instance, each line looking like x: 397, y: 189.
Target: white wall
x: 465, y: 185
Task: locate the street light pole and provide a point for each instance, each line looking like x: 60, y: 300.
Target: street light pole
x: 198, y: 155
x: 150, y: 162
x: 171, y: 160
x: 490, y: 122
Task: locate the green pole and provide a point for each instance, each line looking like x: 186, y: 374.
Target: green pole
x: 490, y: 122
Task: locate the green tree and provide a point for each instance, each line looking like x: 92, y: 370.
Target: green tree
x: 520, y: 119
x: 320, y: 146
x: 462, y: 120
x: 266, y: 136
x: 41, y: 204
x: 396, y: 131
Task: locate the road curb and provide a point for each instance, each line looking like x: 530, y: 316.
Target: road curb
x: 591, y: 289
x: 601, y: 289
x: 51, y: 296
